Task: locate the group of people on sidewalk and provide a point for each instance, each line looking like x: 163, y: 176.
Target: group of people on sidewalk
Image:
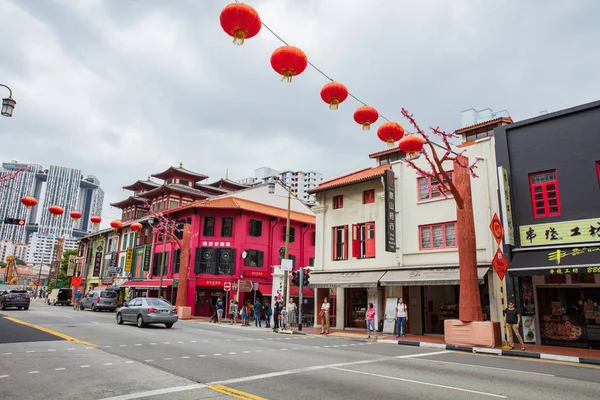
x: 284, y: 316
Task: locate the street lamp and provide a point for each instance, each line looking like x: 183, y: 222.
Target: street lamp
x: 8, y: 104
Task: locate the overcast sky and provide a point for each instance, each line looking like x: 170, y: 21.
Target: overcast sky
x: 125, y: 88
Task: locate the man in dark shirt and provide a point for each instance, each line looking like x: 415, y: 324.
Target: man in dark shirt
x: 257, y: 309
x: 276, y: 313
x: 268, y: 313
x: 512, y: 319
x: 220, y: 307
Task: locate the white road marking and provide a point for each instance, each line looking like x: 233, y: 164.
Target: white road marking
x: 217, y: 354
x: 228, y: 340
x: 59, y: 369
x: 245, y: 352
x: 7, y: 354
x: 107, y: 347
x: 258, y: 339
x: 51, y: 349
x: 89, y: 348
x: 294, y: 348
x: 3, y: 376
x: 179, y: 342
x: 66, y: 316
x: 283, y: 349
x: 434, y: 353
x: 145, y: 333
x: 107, y: 364
x: 420, y: 382
x: 152, y: 344
x: 156, y: 392
x: 259, y: 351
x: 217, y: 340
x: 316, y: 347
x: 129, y: 362
x: 352, y: 344
x: 167, y: 343
x: 205, y: 341
x: 148, y: 360
x: 344, y: 345
x: 193, y: 341
x: 185, y: 357
x: 138, y: 344
x: 326, y: 346
x: 232, y: 352
x: 71, y: 348
x: 30, y: 351
x: 335, y: 345
x: 122, y: 345
x: 96, y: 323
x: 167, y: 359
x: 201, y: 355
x: 485, y: 367
x: 239, y: 340
x: 34, y: 372
x: 84, y: 366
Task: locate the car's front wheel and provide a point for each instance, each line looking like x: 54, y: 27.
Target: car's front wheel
x: 119, y: 319
x: 140, y: 322
x: 27, y: 307
x: 169, y: 325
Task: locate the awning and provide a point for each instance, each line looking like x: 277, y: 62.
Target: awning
x: 568, y: 260
x: 267, y: 290
x: 151, y: 284
x: 345, y: 279
x: 427, y: 276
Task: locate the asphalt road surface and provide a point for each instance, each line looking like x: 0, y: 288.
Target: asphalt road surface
x: 94, y: 358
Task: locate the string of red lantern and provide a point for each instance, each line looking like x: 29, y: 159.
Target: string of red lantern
x: 242, y: 21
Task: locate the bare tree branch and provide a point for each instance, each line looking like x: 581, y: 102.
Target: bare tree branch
x: 10, y: 176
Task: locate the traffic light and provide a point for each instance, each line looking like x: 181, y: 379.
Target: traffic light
x: 296, y: 278
x: 14, y: 221
x: 305, y: 281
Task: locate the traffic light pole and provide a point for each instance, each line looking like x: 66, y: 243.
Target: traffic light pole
x: 300, y: 298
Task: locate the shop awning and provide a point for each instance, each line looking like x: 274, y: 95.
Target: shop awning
x: 150, y: 284
x: 427, y: 276
x: 568, y: 260
x: 345, y: 279
x: 267, y: 289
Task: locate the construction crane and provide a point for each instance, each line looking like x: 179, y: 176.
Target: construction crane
x: 12, y: 276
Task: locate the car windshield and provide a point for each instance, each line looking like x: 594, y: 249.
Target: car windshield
x: 109, y: 295
x: 158, y: 303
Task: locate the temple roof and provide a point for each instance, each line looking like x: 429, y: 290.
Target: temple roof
x: 130, y: 201
x: 212, y: 189
x: 180, y: 172
x: 228, y: 184
x: 177, y: 188
x: 140, y: 185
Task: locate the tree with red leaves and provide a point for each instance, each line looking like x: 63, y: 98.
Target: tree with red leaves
x: 4, y: 179
x: 460, y: 188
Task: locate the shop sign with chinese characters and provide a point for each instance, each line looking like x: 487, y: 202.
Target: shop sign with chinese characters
x: 389, y: 183
x: 553, y: 233
x: 216, y: 244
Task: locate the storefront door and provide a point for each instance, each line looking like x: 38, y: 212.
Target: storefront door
x: 356, y: 307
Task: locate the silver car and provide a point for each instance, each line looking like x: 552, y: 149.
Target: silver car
x: 99, y: 300
x: 147, y: 310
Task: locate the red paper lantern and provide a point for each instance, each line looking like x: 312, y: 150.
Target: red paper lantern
x: 136, y: 227
x: 390, y: 132
x: 333, y: 94
x: 289, y: 61
x: 240, y: 21
x: 56, y: 211
x: 366, y: 116
x: 28, y: 201
x: 116, y: 224
x: 75, y: 215
x: 411, y: 144
x: 96, y: 220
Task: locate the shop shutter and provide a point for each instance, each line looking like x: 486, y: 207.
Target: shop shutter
x: 370, y: 240
x: 355, y: 241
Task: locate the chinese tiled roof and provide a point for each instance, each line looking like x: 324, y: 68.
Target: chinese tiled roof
x: 180, y: 172
x: 228, y: 184
x: 242, y: 204
x: 212, y: 189
x: 140, y: 185
x: 384, y: 152
x: 494, y: 121
x: 131, y: 200
x: 362, y: 175
x: 175, y: 187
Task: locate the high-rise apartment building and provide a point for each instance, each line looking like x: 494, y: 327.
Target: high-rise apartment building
x: 62, y: 186
x: 298, y: 181
x: 42, y: 248
x: 16, y: 250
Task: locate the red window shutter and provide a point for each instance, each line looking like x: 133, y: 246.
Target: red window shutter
x: 346, y: 242
x: 334, y: 242
x: 370, y: 240
x: 355, y: 241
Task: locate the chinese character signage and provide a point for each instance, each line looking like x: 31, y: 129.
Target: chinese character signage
x: 509, y: 228
x: 71, y: 265
x: 97, y: 263
x: 572, y: 260
x: 553, y: 233
x: 128, y: 259
x: 389, y: 186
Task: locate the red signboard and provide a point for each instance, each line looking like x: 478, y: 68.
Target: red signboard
x: 497, y: 229
x: 500, y: 264
x: 227, y: 286
x: 245, y: 286
x: 259, y: 274
x: 210, y: 282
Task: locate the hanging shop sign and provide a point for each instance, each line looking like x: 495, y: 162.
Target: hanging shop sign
x: 506, y: 209
x: 97, y: 263
x: 71, y: 265
x: 553, y: 233
x: 574, y: 260
x: 389, y: 183
x: 128, y: 259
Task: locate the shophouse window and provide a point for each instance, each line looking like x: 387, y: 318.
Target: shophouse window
x: 173, y: 203
x: 292, y: 234
x: 313, y: 239
x: 369, y: 196
x: 544, y: 194
x: 363, y: 240
x: 438, y: 236
x: 429, y: 188
x: 254, y: 258
x: 226, y: 227
x: 176, y: 261
x: 209, y: 226
x: 184, y: 182
x: 340, y: 243
x: 124, y: 244
x: 338, y: 202
x: 255, y: 228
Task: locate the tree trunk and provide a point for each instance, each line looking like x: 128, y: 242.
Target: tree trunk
x: 470, y: 302
x: 184, y: 266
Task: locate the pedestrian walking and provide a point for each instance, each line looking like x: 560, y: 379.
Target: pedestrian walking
x: 512, y: 319
x: 325, y: 317
x: 291, y: 309
x: 257, y: 309
x: 268, y: 313
x: 233, y: 309
x: 220, y: 308
x: 370, y: 315
x: 77, y: 300
x: 244, y: 314
x: 401, y: 317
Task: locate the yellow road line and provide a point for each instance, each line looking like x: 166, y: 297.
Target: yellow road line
x: 234, y: 393
x: 539, y: 360
x: 50, y: 331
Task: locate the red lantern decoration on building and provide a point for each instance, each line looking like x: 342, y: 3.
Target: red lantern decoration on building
x: 29, y: 201
x: 240, y: 21
x: 75, y: 215
x: 116, y: 224
x: 289, y: 61
x: 411, y: 144
x: 390, y: 132
x: 56, y: 211
x: 136, y: 227
x: 95, y: 220
x: 366, y: 116
x: 333, y: 94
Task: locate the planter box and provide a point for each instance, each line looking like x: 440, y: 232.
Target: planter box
x: 480, y: 333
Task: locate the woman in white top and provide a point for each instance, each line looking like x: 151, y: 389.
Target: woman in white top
x: 291, y: 308
x: 325, y: 317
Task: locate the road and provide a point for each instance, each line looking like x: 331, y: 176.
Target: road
x: 196, y: 360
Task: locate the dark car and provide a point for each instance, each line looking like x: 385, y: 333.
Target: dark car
x: 15, y: 298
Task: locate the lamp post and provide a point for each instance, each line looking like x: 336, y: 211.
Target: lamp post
x: 286, y: 255
x: 8, y: 103
x: 37, y: 283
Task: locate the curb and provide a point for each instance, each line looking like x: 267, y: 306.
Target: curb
x: 502, y: 352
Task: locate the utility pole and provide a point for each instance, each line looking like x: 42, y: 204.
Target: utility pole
x: 286, y: 276
x: 59, y: 246
x: 163, y: 260
x: 300, y: 299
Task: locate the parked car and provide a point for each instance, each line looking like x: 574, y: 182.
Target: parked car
x: 99, y: 300
x: 16, y: 298
x: 60, y: 297
x: 147, y: 310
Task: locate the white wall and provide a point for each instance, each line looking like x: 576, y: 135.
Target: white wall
x: 279, y: 199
